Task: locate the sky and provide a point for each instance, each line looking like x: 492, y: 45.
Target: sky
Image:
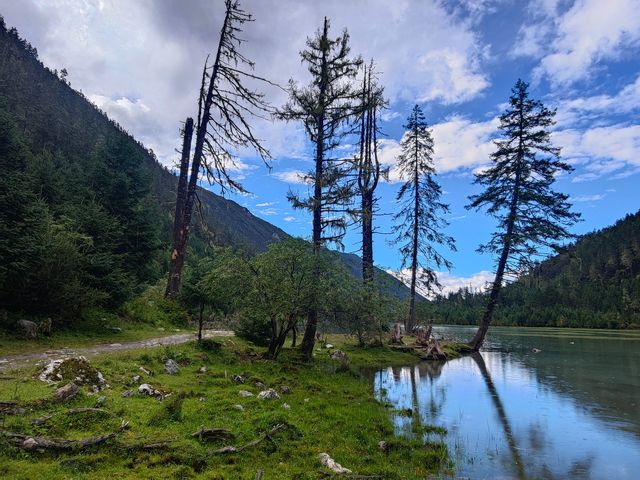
x: 141, y: 62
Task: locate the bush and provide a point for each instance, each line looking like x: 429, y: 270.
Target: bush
x: 153, y: 308
x: 254, y: 328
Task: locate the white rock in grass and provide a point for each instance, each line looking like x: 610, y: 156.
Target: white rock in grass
x: 269, y: 393
x: 331, y: 464
x: 245, y: 393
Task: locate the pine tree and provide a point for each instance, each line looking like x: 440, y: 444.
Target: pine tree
x: 326, y: 107
x: 419, y: 221
x: 518, y: 194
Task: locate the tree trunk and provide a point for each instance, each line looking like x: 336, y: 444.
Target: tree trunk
x: 367, y: 238
x: 200, y: 322
x: 414, y: 252
x: 179, y: 228
x: 309, y: 338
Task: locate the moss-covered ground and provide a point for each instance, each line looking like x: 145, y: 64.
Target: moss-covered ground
x: 331, y: 409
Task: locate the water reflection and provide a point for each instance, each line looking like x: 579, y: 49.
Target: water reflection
x: 512, y: 413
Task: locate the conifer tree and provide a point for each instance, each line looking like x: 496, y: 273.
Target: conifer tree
x: 518, y: 194
x: 419, y: 221
x: 326, y: 107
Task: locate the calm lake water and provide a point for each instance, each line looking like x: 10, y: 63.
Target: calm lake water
x: 537, y: 403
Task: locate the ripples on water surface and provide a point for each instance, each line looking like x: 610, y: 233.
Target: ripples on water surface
x: 571, y: 410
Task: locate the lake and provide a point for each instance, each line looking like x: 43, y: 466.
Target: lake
x: 536, y: 403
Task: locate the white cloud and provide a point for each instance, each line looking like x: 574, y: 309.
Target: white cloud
x: 289, y: 218
x: 602, y: 150
x: 269, y: 211
x: 450, y: 283
x: 290, y: 176
x: 265, y: 204
x: 587, y: 198
x: 588, y: 32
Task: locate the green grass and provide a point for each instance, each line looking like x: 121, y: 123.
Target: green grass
x: 332, y: 410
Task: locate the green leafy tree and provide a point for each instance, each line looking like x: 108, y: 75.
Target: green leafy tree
x: 326, y: 107
x: 518, y: 194
x: 419, y: 221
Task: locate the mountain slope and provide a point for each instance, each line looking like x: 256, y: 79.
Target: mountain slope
x: 594, y: 283
x: 98, y: 200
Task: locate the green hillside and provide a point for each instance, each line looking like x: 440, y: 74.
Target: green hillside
x: 594, y: 283
x: 85, y: 209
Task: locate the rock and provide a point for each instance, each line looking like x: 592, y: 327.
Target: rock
x: 286, y: 390
x: 330, y: 463
x: 286, y: 406
x: 101, y: 401
x: 66, y: 393
x: 76, y: 369
x: 127, y: 393
x: 269, y: 393
x: 260, y: 385
x: 382, y: 445
x: 29, y: 328
x: 202, y: 399
x: 536, y: 350
x: 29, y: 444
x: 203, y: 370
x: 239, y: 407
x: 145, y: 371
x: 328, y: 346
x: 306, y: 400
x: 135, y: 379
x: 340, y: 355
x: 245, y: 393
x: 171, y: 367
x: 146, y: 389
x: 237, y: 378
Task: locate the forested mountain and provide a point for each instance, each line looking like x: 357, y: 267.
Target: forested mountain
x: 594, y: 283
x: 85, y: 210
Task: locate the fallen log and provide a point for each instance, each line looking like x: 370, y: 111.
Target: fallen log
x: 252, y: 443
x: 213, y: 434
x: 29, y: 442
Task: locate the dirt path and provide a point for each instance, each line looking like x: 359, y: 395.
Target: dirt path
x: 11, y: 362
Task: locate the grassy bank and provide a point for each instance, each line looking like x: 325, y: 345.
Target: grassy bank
x: 331, y: 409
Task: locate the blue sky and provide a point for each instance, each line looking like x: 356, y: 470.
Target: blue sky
x: 140, y: 61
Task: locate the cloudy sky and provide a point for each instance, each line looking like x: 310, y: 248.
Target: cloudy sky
x: 141, y: 60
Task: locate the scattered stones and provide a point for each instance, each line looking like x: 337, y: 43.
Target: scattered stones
x: 245, y: 393
x: 382, y: 445
x: 101, y: 401
x: 127, y: 393
x: 286, y: 390
x: 340, y: 355
x: 76, y: 369
x: 328, y: 346
x: 306, y: 400
x: 331, y: 464
x: 145, y: 371
x: 202, y: 399
x: 146, y: 389
x: 260, y: 385
x: 239, y: 407
x: 171, y: 367
x: 66, y: 393
x: 269, y: 393
x: 286, y: 406
x: 203, y: 370
x: 237, y: 379
x: 135, y: 380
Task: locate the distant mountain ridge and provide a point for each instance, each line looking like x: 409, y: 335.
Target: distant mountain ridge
x: 594, y: 282
x: 59, y: 121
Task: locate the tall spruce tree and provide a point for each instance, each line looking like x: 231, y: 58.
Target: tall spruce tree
x: 419, y: 221
x: 225, y: 105
x: 326, y: 107
x: 518, y: 194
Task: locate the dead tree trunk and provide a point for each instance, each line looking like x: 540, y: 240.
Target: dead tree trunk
x: 179, y: 227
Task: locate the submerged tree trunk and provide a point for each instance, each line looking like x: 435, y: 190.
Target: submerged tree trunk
x: 179, y: 227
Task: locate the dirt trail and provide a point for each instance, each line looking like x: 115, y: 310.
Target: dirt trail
x: 11, y: 362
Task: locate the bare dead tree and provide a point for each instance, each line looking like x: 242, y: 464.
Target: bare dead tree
x: 368, y: 168
x: 225, y: 105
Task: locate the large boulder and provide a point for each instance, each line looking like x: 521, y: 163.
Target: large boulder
x: 75, y: 369
x: 67, y: 393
